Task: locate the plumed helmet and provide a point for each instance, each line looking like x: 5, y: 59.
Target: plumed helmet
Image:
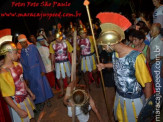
x: 82, y: 28
x: 7, y: 47
x: 113, y: 26
x: 6, y: 43
x: 59, y: 35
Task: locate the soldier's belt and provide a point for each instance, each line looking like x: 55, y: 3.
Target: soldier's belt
x: 88, y: 54
x: 130, y: 95
x: 57, y: 61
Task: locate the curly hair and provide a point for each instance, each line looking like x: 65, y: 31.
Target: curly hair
x: 85, y: 108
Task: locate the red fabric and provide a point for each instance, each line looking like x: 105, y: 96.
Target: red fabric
x: 5, y: 32
x: 57, y: 85
x: 91, y: 79
x: 69, y: 57
x: 114, y: 18
x: 4, y: 111
x: 64, y: 82
x: 153, y: 86
x: 51, y: 78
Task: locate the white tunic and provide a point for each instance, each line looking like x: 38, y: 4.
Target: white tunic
x: 80, y: 115
x: 44, y: 52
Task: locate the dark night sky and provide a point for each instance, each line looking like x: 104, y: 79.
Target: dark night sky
x: 30, y: 25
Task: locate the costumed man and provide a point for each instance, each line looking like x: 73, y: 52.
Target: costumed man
x: 4, y: 111
x: 59, y: 50
x: 87, y: 56
x: 34, y: 72
x: 45, y: 55
x: 12, y: 85
x: 131, y: 74
x: 41, y: 32
x: 80, y: 100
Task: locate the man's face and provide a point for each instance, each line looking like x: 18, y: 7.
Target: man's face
x: 154, y: 31
x: 137, y: 27
x: 13, y: 55
x: 24, y: 44
x: 83, y: 35
x: 156, y: 2
x: 59, y: 40
x: 33, y: 39
x: 137, y: 41
x: 106, y: 48
x: 42, y: 42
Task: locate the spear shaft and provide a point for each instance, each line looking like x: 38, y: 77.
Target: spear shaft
x: 86, y: 3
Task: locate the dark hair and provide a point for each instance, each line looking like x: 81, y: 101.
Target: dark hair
x: 144, y: 30
x: 78, y: 98
x: 131, y: 32
x: 139, y: 34
x: 141, y: 24
x: 2, y: 57
x: 85, y: 108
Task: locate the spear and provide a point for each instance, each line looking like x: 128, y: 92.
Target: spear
x: 86, y: 3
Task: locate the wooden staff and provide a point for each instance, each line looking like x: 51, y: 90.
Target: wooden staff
x: 73, y: 70
x: 86, y: 3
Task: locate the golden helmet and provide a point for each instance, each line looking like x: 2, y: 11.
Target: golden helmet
x: 7, y: 47
x: 111, y: 34
x: 82, y: 30
x: 113, y: 26
x: 6, y: 41
x: 59, y: 35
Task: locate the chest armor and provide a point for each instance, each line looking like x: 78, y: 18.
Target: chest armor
x: 20, y: 91
x: 124, y: 74
x: 60, y: 51
x: 85, y: 46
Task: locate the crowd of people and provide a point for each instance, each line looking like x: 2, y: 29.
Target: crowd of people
x: 131, y: 55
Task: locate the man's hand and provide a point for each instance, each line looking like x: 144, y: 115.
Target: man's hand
x: 65, y: 100
x: 33, y: 96
x: 100, y: 66
x: 22, y: 113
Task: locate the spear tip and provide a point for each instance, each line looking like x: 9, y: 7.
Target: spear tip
x: 86, y: 2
